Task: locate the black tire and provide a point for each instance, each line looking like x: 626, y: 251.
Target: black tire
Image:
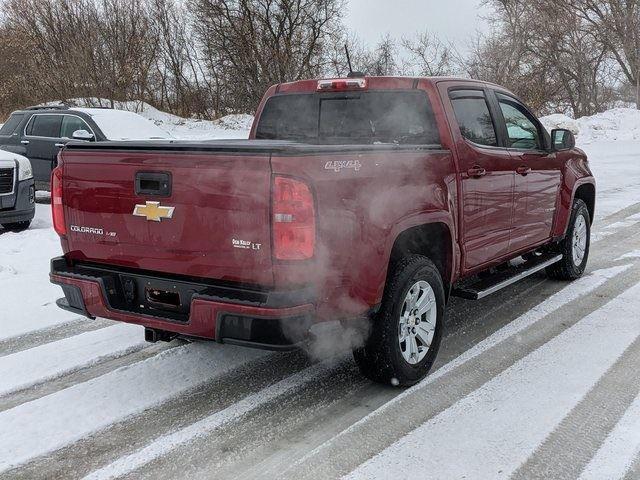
x: 568, y: 268
x: 381, y: 358
x: 17, y: 226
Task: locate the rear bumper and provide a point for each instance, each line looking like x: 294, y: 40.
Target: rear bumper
x: 227, y: 314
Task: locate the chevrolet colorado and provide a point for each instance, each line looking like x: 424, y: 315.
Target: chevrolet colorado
x: 370, y: 198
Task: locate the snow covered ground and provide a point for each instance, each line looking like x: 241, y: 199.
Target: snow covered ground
x: 521, y: 376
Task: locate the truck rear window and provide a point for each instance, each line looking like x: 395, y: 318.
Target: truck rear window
x: 350, y: 118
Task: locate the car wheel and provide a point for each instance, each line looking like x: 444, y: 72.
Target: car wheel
x: 575, y: 246
x: 17, y: 226
x: 406, y: 332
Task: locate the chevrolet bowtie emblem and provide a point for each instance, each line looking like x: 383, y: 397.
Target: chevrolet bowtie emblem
x: 152, y: 211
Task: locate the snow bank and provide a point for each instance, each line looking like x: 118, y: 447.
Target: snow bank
x: 613, y: 125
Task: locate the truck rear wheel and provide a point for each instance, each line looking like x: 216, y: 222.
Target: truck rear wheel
x: 406, y: 332
x: 575, y: 246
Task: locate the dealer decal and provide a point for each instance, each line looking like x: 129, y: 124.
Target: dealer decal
x: 245, y: 244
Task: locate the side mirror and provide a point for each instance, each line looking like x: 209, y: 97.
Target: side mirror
x: 82, y: 135
x: 562, y: 139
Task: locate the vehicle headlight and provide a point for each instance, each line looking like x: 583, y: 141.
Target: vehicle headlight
x: 24, y: 169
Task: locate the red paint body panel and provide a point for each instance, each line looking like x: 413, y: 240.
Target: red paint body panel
x: 360, y: 212
x: 216, y: 200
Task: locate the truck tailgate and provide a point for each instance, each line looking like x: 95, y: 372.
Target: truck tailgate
x: 219, y: 227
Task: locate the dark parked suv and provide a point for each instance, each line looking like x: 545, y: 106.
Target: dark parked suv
x: 38, y: 133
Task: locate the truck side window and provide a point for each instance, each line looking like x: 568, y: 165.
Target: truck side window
x: 522, y: 130
x: 473, y: 116
x: 45, y: 126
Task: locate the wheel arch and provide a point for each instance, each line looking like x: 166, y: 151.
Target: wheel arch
x: 433, y: 240
x: 587, y: 193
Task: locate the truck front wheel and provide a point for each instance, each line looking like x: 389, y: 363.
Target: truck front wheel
x: 575, y: 246
x: 406, y: 332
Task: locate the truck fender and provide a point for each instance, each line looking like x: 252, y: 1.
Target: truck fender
x: 419, y: 226
x: 583, y: 188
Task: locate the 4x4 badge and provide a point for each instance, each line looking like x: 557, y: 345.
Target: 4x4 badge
x: 152, y: 211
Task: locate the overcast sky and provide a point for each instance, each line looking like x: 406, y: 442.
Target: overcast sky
x: 453, y: 20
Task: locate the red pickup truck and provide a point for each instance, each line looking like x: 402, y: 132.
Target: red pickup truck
x: 360, y: 198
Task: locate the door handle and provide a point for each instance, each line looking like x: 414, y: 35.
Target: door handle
x: 523, y: 170
x: 476, y: 172
x: 24, y: 142
x: 60, y: 145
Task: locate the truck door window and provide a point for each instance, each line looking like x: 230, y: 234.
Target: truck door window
x: 523, y: 132
x: 473, y: 116
x: 11, y: 124
x: 385, y: 117
x: 45, y: 126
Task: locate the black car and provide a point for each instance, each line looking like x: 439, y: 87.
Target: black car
x: 38, y: 133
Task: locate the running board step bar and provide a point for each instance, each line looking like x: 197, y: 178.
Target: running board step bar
x: 486, y: 286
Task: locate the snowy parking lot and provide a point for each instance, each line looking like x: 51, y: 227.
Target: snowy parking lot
x: 537, y: 381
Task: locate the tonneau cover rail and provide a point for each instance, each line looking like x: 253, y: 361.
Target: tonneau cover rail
x: 244, y: 146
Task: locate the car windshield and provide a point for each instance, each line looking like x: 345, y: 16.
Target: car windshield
x: 385, y: 117
x: 123, y: 125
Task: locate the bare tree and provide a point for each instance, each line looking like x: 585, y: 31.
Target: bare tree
x: 428, y: 55
x: 565, y: 67
x: 616, y: 24
x: 87, y: 48
x: 19, y: 85
x: 249, y: 45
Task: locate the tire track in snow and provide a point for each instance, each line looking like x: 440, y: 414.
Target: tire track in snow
x: 492, y: 431
x: 244, y: 449
x: 84, y: 374
x: 92, y: 452
x: 165, y: 444
x: 588, y: 424
x: 469, y: 370
x: 616, y: 226
x: 51, y: 334
x: 619, y: 451
x: 45, y: 362
x: 634, y: 472
x: 48, y: 423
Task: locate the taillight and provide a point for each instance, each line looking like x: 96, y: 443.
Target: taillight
x: 57, y: 209
x: 294, y: 220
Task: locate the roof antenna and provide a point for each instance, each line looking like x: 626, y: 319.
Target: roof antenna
x: 352, y: 74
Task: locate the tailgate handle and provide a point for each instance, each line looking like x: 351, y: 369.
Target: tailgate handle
x: 153, y: 183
